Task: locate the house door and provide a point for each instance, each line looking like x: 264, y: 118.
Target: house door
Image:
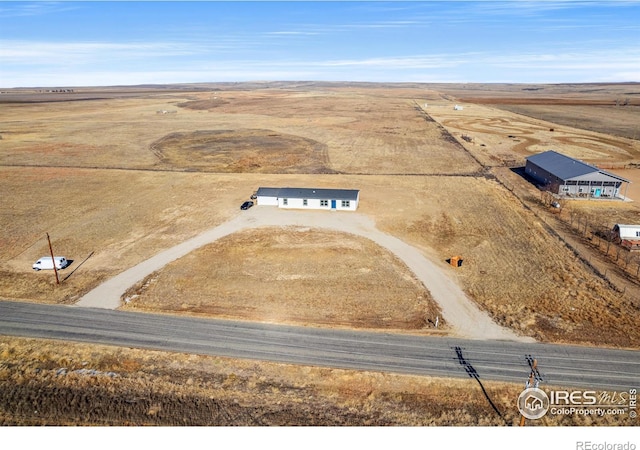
x: 333, y: 204
x: 597, y: 194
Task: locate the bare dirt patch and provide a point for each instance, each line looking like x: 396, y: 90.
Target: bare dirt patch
x: 204, y: 104
x: 292, y: 275
x: 242, y: 150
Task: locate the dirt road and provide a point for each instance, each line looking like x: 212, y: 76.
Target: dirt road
x: 458, y: 310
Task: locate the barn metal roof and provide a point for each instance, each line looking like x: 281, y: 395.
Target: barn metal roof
x: 309, y: 193
x: 567, y: 168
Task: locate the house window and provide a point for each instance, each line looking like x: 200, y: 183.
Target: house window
x: 285, y: 201
x: 324, y: 202
x: 637, y: 233
x: 304, y: 202
x: 345, y: 203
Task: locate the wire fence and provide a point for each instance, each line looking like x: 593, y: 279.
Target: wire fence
x: 594, y: 233
x: 604, y: 240
x: 625, y: 255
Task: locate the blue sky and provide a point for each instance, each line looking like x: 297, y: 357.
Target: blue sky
x: 71, y: 43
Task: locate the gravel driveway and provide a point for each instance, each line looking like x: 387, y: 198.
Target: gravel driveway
x: 459, y: 311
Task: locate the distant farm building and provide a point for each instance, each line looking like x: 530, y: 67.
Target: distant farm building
x: 627, y: 235
x: 458, y: 107
x: 305, y: 198
x: 570, y: 177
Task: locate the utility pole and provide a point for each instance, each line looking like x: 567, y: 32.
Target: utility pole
x: 534, y: 378
x: 53, y: 260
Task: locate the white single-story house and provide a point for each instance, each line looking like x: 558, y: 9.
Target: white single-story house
x: 307, y: 198
x: 570, y: 177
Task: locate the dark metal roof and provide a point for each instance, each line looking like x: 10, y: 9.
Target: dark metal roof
x: 267, y: 192
x: 566, y: 168
x: 323, y: 194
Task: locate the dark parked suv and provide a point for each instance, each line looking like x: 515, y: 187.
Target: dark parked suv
x: 246, y: 205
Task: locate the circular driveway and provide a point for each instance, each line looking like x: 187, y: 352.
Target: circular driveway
x: 460, y: 312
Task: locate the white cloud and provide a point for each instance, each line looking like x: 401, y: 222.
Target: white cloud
x: 103, y: 63
x: 614, y: 60
x: 38, y: 8
x: 28, y: 52
x: 396, y: 63
x: 292, y: 33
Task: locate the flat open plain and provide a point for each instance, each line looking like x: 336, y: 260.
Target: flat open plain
x: 116, y: 176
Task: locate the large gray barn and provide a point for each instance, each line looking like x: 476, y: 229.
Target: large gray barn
x: 573, y: 178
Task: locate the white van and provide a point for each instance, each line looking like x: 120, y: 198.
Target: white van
x: 46, y: 263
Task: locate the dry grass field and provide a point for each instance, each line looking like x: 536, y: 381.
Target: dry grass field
x: 612, y: 109
x: 293, y: 275
x: 44, y: 383
x: 114, y: 180
x: 538, y: 123
x: 103, y: 220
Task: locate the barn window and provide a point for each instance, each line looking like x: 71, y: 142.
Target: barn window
x: 345, y: 203
x: 285, y: 201
x: 637, y: 233
x: 324, y: 202
x: 304, y: 202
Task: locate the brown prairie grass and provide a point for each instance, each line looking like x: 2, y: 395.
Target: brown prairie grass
x: 44, y: 383
x: 607, y: 119
x: 513, y: 267
x: 526, y: 278
x: 109, y: 219
x: 292, y: 275
x: 608, y: 109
